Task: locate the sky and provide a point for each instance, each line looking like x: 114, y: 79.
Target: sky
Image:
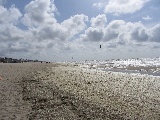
x: 73, y: 30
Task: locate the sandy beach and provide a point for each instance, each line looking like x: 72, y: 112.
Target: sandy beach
x: 67, y: 92
x: 12, y: 105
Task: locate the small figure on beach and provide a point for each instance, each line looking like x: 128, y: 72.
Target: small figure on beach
x: 0, y: 78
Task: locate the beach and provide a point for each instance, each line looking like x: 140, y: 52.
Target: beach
x: 12, y: 105
x: 38, y: 91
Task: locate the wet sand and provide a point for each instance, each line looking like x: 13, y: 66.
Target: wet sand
x: 66, y: 92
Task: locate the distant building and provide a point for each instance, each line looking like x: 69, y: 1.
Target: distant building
x: 35, y: 60
x: 8, y: 60
x: 15, y: 61
x: 30, y: 60
x: 2, y: 60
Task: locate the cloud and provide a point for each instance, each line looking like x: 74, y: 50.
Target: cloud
x: 124, y: 6
x: 39, y: 12
x: 123, y: 38
x: 10, y: 15
x: 111, y: 45
x: 39, y: 18
x: 99, y: 21
x: 25, y: 48
x: 113, y: 29
x: 156, y: 46
x: 75, y: 24
x: 139, y: 33
x: 50, y: 45
x: 154, y: 33
x: 98, y: 5
x: 9, y: 32
x: 119, y: 31
x: 99, y: 31
x: 95, y: 32
x: 54, y: 32
x: 147, y: 18
x: 18, y: 47
x: 92, y: 34
x: 60, y: 32
x: 42, y: 33
x: 104, y: 32
x: 11, y: 48
x: 2, y: 2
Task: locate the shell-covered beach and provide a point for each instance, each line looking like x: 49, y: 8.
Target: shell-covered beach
x: 68, y: 92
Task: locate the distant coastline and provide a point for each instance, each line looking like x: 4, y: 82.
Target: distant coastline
x: 13, y: 60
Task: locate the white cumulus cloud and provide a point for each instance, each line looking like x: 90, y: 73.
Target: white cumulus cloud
x: 93, y: 34
x: 75, y: 24
x: 10, y: 15
x: 98, y: 5
x: 154, y: 33
x: 99, y: 21
x: 43, y: 31
x: 147, y: 18
x: 120, y: 31
x: 39, y: 12
x: 124, y: 6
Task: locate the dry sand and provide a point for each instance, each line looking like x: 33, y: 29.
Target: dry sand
x: 12, y: 106
x: 66, y: 92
